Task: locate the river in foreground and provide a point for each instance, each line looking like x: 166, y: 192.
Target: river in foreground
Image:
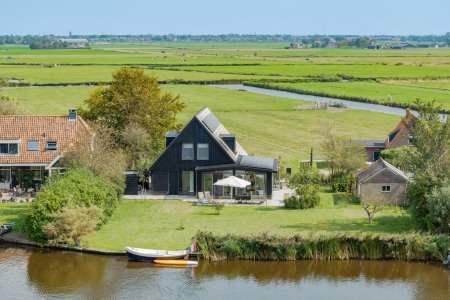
x: 27, y: 273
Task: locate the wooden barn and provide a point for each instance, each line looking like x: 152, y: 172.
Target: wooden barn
x: 382, y: 182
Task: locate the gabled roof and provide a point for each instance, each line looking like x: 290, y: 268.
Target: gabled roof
x: 210, y: 122
x: 377, y: 167
x: 42, y: 129
x: 406, y: 123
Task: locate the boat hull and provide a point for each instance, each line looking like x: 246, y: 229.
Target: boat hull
x: 135, y: 255
x: 176, y: 263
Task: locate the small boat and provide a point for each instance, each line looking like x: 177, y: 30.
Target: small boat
x: 5, y: 228
x: 176, y: 263
x: 139, y: 254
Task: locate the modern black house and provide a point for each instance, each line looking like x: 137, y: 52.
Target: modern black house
x: 204, y: 152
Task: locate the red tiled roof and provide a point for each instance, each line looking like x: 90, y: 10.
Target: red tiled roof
x: 43, y: 129
x: 405, y: 123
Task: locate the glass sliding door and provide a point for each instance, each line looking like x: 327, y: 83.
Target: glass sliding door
x: 208, y: 183
x: 187, y: 182
x: 5, y: 178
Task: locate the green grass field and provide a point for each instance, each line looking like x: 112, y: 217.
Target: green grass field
x: 207, y: 62
x: 156, y: 224
x: 13, y: 212
x: 383, y: 92
x: 265, y: 125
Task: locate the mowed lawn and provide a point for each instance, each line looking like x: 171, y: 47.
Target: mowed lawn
x: 160, y: 223
x: 265, y: 125
x: 13, y: 212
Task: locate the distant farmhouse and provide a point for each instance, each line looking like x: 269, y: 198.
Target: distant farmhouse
x: 75, y: 43
x: 400, y: 136
x: 329, y: 43
x: 296, y: 46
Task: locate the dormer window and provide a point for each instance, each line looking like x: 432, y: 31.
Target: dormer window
x: 33, y: 146
x: 51, y: 146
x: 9, y: 148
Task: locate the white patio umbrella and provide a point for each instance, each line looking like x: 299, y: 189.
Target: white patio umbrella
x: 233, y: 182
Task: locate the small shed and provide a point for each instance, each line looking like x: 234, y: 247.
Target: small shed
x: 131, y: 183
x: 382, y: 180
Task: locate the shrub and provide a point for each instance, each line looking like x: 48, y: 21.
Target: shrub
x: 306, y: 185
x: 438, y: 204
x: 323, y: 246
x: 79, y: 187
x: 72, y: 223
x: 218, y: 206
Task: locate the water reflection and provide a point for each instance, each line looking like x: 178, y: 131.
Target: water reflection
x: 62, y: 272
x: 30, y: 273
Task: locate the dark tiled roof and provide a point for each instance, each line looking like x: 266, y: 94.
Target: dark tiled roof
x: 371, y: 143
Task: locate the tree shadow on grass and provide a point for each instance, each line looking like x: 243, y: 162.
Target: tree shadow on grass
x: 387, y: 224
x: 269, y: 208
x: 343, y: 199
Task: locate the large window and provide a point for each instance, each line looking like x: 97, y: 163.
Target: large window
x: 187, y: 152
x: 202, y: 151
x: 187, y: 181
x: 9, y: 148
x: 33, y: 146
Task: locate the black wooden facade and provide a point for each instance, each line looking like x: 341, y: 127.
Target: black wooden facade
x: 224, y: 154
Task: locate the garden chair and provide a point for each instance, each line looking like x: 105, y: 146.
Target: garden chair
x: 202, y: 199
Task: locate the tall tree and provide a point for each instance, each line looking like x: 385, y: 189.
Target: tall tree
x: 429, y: 158
x: 345, y: 158
x: 134, y: 98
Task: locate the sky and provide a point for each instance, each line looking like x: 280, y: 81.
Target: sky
x: 301, y: 17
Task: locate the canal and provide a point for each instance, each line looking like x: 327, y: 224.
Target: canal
x: 29, y: 273
x: 350, y: 104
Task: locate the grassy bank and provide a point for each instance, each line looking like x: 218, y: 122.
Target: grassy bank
x: 172, y: 224
x: 377, y: 93
x: 323, y: 246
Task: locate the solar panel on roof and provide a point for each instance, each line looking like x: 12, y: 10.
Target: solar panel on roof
x: 211, y: 122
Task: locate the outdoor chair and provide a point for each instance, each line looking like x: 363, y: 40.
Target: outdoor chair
x: 208, y: 195
x: 202, y: 200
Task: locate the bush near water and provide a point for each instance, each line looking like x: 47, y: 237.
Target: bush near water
x: 323, y: 246
x: 77, y: 187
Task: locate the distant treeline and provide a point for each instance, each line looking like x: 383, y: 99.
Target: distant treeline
x: 305, y: 39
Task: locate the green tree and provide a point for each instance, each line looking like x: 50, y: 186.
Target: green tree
x: 306, y: 185
x: 345, y: 158
x: 99, y: 154
x: 134, y: 97
x: 429, y: 158
x: 438, y: 204
x: 9, y: 106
